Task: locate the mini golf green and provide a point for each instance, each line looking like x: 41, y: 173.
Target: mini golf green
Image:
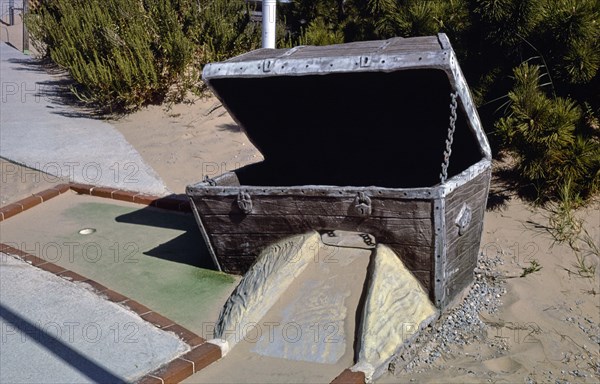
x: 151, y: 255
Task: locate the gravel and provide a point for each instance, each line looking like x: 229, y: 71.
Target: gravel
x: 461, y: 325
x: 465, y: 324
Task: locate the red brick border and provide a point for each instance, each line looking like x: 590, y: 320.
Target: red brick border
x: 201, y: 354
x: 349, y: 377
x: 31, y: 201
x: 178, y: 203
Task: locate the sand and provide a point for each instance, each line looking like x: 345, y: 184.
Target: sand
x: 546, y: 325
x: 188, y: 141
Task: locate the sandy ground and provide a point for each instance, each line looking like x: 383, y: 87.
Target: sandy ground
x: 541, y: 328
x: 188, y: 141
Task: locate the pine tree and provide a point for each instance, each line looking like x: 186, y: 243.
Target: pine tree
x: 548, y: 137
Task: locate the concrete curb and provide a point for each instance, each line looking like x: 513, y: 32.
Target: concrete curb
x: 178, y: 203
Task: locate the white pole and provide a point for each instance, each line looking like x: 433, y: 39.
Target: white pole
x: 268, y: 23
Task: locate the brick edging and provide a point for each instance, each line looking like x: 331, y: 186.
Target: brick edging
x: 174, y: 202
x: 31, y: 201
x: 349, y: 377
x: 201, y: 354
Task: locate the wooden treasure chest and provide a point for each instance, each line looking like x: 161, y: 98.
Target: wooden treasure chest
x: 377, y: 137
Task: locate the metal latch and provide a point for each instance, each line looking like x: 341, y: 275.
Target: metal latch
x: 365, y: 61
x: 267, y: 65
x: 244, y: 201
x: 362, y: 204
x: 463, y: 219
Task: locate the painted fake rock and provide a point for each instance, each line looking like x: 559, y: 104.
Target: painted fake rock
x: 263, y: 284
x: 396, y: 309
x: 310, y: 315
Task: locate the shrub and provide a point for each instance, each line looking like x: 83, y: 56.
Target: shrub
x: 320, y: 33
x: 126, y: 53
x: 121, y: 53
x: 550, y: 139
x: 223, y: 29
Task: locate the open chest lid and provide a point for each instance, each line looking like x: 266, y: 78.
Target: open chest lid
x: 358, y: 105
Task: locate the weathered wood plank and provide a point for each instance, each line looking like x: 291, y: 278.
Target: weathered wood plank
x: 252, y: 244
x: 236, y: 265
x: 244, y: 243
x: 415, y: 258
x: 466, y: 191
x: 470, y: 240
x: 465, y: 249
x: 452, y: 232
x: 305, y: 205
x: 424, y: 278
x: 459, y: 281
x: 421, y: 44
x: 202, y: 190
x: 474, y: 200
x: 477, y: 186
x: 462, y: 250
x: 385, y: 230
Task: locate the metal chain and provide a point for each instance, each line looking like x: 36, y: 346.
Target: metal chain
x: 450, y: 139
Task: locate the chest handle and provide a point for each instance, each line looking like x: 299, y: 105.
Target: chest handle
x: 362, y: 204
x: 244, y: 201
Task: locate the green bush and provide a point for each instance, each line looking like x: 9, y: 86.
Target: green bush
x: 320, y: 33
x: 550, y: 139
x: 223, y: 29
x: 121, y: 53
x: 124, y: 53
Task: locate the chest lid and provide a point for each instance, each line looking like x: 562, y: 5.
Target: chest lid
x: 355, y: 105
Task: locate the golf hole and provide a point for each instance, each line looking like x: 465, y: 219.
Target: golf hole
x: 87, y: 231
